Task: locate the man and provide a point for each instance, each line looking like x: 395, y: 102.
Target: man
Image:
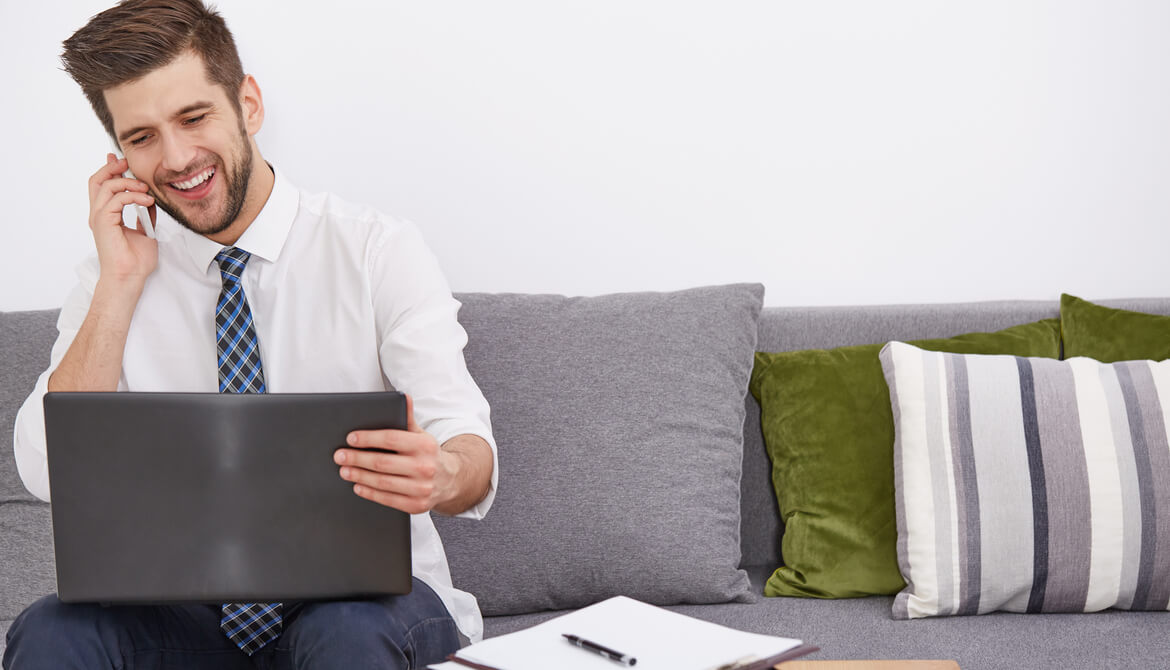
x: 252, y: 287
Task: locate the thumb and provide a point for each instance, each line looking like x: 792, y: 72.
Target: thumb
x: 411, y: 424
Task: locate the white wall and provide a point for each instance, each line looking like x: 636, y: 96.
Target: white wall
x: 839, y: 152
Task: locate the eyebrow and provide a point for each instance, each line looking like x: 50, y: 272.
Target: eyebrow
x: 193, y: 107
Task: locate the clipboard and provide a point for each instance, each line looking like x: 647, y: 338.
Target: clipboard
x: 657, y: 638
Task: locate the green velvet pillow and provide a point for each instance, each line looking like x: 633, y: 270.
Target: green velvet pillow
x: 829, y: 432
x: 1110, y: 335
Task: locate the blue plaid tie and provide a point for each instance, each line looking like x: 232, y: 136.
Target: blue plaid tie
x: 249, y: 625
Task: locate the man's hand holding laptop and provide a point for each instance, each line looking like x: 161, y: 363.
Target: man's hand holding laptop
x: 410, y: 471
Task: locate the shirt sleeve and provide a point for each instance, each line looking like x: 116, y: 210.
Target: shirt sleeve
x: 28, y: 435
x: 420, y: 343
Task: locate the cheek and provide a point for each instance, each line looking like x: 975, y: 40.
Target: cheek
x: 142, y: 169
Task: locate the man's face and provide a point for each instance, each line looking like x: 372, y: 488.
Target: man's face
x: 182, y: 136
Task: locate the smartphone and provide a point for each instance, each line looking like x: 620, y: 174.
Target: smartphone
x: 144, y: 222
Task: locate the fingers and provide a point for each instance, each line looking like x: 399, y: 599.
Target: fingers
x: 114, y: 167
x: 119, y: 200
x: 393, y: 480
x: 115, y: 192
x: 111, y: 177
x: 398, y: 464
x: 401, y: 473
x: 404, y: 486
x: 120, y: 184
x: 389, y: 499
x: 109, y: 192
x: 390, y: 439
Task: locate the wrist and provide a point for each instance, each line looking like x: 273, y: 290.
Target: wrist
x: 465, y: 465
x: 127, y: 271
x: 118, y: 291
x: 93, y: 361
x: 114, y: 302
x: 447, y: 478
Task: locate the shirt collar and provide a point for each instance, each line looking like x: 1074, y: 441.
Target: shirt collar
x: 264, y: 237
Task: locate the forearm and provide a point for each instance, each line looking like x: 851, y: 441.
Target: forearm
x: 468, y: 460
x: 94, y: 359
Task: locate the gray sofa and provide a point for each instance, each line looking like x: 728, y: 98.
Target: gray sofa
x: 844, y: 629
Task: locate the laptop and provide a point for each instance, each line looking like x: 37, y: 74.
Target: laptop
x: 214, y: 498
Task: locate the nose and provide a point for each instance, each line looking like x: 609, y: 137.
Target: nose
x: 177, y: 153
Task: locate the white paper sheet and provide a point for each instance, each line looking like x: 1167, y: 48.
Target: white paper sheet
x: 659, y: 639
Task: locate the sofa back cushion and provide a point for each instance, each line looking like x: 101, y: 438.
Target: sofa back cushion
x: 619, y: 420
x: 799, y: 328
x: 830, y: 435
x: 795, y: 328
x: 1108, y: 334
x: 1029, y: 485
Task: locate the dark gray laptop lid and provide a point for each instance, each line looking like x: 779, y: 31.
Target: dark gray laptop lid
x: 207, y: 497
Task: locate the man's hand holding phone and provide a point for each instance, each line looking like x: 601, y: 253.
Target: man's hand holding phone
x: 125, y: 254
x: 127, y: 257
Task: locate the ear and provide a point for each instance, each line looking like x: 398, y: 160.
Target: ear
x: 251, y: 105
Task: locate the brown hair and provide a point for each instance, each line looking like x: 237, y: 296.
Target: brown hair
x: 136, y: 37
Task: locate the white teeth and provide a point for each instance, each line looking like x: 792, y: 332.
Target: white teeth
x: 194, y: 181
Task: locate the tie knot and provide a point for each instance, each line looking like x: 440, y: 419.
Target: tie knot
x: 231, y: 263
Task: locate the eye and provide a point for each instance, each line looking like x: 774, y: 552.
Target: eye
x: 193, y: 120
x: 137, y: 141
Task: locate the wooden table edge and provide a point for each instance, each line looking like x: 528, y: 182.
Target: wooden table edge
x: 869, y: 665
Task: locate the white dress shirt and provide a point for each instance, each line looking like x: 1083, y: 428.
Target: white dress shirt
x: 344, y: 299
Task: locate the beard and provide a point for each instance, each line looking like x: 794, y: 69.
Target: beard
x: 236, y: 178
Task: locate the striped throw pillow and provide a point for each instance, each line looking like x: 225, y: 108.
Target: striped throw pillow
x: 1028, y: 484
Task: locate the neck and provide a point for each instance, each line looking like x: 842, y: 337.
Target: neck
x: 259, y: 188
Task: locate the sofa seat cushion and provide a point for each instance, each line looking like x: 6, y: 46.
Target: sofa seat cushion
x: 26, y: 554
x: 861, y: 628
x: 619, y: 420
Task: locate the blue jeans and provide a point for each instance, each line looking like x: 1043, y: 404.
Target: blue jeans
x: 407, y: 631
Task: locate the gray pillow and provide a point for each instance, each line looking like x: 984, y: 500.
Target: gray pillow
x: 619, y: 420
x: 25, y: 341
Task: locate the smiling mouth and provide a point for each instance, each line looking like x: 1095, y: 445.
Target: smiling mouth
x: 193, y: 182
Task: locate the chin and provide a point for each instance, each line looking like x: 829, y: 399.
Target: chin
x: 201, y: 224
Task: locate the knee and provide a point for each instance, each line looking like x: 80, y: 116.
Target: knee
x: 342, y: 635
x: 347, y: 623
x: 372, y: 633
x: 50, y: 629
x: 49, y: 619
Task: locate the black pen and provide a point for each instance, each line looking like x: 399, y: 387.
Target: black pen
x: 611, y: 654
